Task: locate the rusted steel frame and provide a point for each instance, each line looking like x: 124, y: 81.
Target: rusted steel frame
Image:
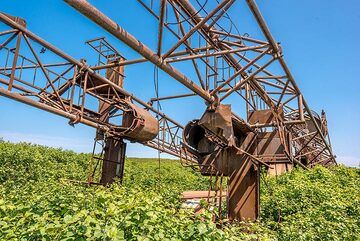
x: 305, y: 145
x: 278, y: 93
x: 84, y: 93
x: 189, y: 95
x: 281, y: 128
x: 220, y: 14
x: 142, y: 60
x: 8, y: 41
x: 47, y: 100
x: 317, y: 155
x: 28, y: 84
x: 119, y: 63
x: 252, y: 157
x: 174, y: 33
x: 282, y: 93
x: 303, y: 136
x: 259, y: 18
x: 317, y: 139
x: 172, y: 136
x: 58, y: 52
x: 197, y: 27
x: 244, y: 81
x: 171, y: 151
x: 161, y: 26
x: 15, y: 59
x: 18, y: 87
x: 169, y: 135
x: 217, y: 53
x: 25, y: 100
x: 308, y: 153
x: 103, y: 39
x: 271, y: 76
x: 172, y: 97
x: 44, y: 72
x: 80, y: 65
x: 193, y: 50
x: 193, y: 15
x: 97, y: 87
x: 287, y: 101
x: 188, y: 50
x: 262, y: 80
x: 72, y: 91
x: 239, y: 93
x: 238, y: 37
x: 35, y: 66
x: 240, y: 45
x: 237, y: 73
x: 253, y: 98
x: 321, y: 160
x: 301, y: 107
x: 8, y: 31
x: 102, y: 20
x: 70, y: 59
x: 61, y: 75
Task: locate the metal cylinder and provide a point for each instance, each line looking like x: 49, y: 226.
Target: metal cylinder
x: 142, y: 126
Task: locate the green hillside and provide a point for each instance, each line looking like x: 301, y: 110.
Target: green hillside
x: 38, y: 203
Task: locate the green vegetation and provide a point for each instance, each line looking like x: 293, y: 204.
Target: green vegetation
x: 37, y: 203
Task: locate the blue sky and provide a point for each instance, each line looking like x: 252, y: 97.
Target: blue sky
x: 319, y: 39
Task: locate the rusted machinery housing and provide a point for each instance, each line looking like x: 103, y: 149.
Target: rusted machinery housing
x: 228, y: 146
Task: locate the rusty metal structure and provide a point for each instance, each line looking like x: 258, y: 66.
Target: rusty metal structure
x: 274, y: 127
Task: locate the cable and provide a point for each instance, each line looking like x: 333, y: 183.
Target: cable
x: 158, y: 107
x: 202, y: 7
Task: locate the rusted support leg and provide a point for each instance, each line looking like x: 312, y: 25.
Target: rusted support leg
x: 114, y: 159
x: 244, y: 183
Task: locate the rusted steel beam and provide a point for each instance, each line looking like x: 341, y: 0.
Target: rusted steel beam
x: 114, y: 160
x: 217, y: 53
x: 119, y: 63
x: 117, y: 31
x: 161, y: 26
x: 240, y: 37
x: 172, y: 97
x: 16, y: 55
x: 34, y: 66
x: 8, y: 31
x: 28, y: 101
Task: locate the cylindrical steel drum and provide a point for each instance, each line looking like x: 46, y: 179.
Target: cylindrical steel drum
x: 142, y: 126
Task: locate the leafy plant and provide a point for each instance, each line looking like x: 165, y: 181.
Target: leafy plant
x: 38, y: 203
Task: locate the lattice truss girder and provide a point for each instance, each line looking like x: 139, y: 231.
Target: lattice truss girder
x: 36, y: 73
x: 228, y: 65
